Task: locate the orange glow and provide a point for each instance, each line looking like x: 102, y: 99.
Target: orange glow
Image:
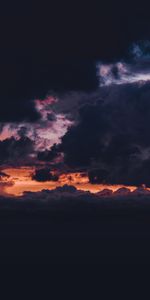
x: 22, y: 181
x: 6, y: 133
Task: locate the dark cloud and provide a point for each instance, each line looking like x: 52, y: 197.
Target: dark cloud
x: 48, y: 155
x: 15, y: 151
x: 22, y: 131
x: 124, y: 192
x: 81, y: 143
x: 97, y: 176
x: 68, y: 196
x: 44, y: 174
x: 111, y: 138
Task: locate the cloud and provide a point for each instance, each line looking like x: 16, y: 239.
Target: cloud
x: 48, y: 155
x: 123, y: 192
x: 44, y: 174
x: 102, y: 130
x: 121, y: 72
x: 97, y: 176
x: 15, y: 151
x: 111, y: 137
x: 140, y: 50
x: 105, y: 193
x: 68, y: 197
x: 3, y: 186
x: 134, y: 68
x: 4, y: 183
x: 3, y: 175
x: 43, y: 134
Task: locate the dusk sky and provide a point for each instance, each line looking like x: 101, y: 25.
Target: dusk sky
x: 75, y: 142
x: 74, y: 98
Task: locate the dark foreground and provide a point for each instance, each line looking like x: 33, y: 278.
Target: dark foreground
x: 98, y: 233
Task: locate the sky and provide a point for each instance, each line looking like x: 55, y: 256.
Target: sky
x: 74, y: 98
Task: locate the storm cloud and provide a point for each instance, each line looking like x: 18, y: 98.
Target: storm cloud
x: 111, y: 139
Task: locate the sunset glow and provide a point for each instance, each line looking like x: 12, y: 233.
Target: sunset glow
x: 22, y: 181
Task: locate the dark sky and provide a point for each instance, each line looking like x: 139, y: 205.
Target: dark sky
x: 98, y: 30
x: 75, y: 91
x: 75, y: 136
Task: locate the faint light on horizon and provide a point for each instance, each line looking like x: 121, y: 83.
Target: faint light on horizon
x: 22, y: 179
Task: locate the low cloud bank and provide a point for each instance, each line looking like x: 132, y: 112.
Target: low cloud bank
x: 69, y: 198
